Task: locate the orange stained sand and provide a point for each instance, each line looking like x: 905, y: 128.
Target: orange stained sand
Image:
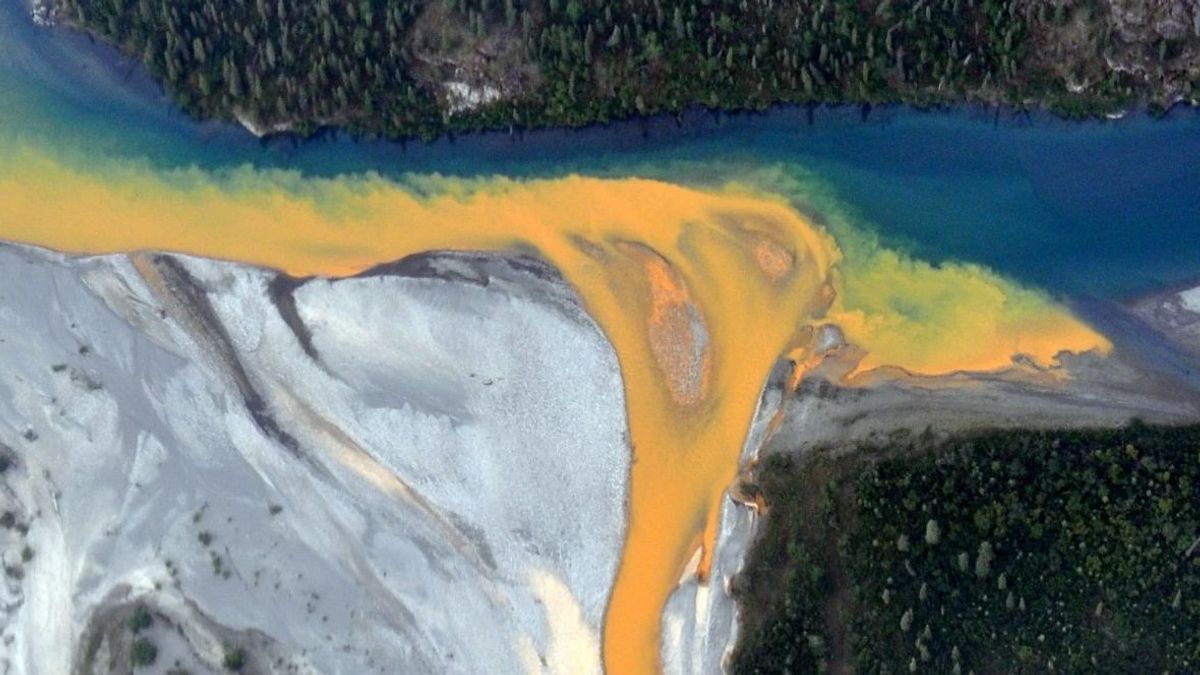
x: 677, y: 334
x: 715, y: 283
x: 773, y: 259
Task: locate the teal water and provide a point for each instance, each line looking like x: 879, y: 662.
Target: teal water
x: 1101, y: 209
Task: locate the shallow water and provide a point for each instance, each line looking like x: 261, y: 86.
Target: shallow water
x: 701, y: 277
x: 1097, y: 208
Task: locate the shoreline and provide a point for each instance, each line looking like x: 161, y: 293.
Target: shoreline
x: 1014, y: 97
x: 694, y: 120
x: 140, y: 123
x: 1010, y: 392
x: 702, y: 120
x: 739, y: 526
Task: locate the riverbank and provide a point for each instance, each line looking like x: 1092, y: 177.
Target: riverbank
x: 923, y: 181
x: 400, y: 72
x: 1005, y: 550
x: 949, y: 206
x: 813, y: 592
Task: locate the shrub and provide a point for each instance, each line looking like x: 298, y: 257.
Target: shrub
x: 143, y: 652
x: 235, y: 659
x: 141, y: 618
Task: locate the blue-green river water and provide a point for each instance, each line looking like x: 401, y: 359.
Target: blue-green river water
x: 1100, y: 209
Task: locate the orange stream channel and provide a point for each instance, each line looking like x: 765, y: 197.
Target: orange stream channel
x: 699, y: 292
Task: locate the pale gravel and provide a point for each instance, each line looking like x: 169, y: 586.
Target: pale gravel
x: 499, y: 408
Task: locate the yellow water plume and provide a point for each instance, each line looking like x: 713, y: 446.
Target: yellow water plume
x: 699, y: 292
x: 938, y: 319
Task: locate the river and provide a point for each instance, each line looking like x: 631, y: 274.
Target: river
x: 705, y: 248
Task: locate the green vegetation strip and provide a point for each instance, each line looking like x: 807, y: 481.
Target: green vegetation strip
x: 409, y: 68
x: 1001, y: 552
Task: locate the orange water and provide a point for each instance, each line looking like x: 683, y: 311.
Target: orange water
x: 699, y: 292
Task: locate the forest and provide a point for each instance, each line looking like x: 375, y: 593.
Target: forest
x: 409, y: 68
x: 994, y: 552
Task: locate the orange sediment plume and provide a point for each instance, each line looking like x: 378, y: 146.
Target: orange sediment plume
x: 699, y: 293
